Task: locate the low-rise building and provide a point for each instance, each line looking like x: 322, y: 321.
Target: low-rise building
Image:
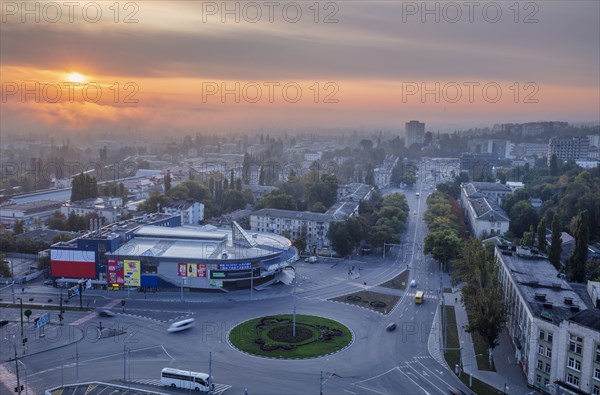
x: 110, y: 208
x: 480, y: 204
x: 29, y: 213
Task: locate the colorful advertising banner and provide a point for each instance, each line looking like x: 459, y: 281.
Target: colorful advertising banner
x: 182, y: 270
x: 132, y: 273
x: 115, y: 273
x: 191, y: 270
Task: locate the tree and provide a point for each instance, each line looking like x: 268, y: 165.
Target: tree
x: 554, y: 171
x: 340, y: 238
x: 541, y: 235
x: 233, y: 200
x: 276, y: 199
x: 27, y: 313
x: 443, y: 244
x: 57, y: 221
x: 522, y: 216
x: 482, y: 293
x: 167, y: 181
x: 4, y: 268
x: 555, y: 244
x: 579, y: 256
x: 18, y: 228
x: 528, y: 238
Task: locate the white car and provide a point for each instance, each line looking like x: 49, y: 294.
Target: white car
x: 181, y: 325
x: 413, y: 283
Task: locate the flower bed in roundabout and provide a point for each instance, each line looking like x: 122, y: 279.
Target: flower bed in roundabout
x: 272, y: 336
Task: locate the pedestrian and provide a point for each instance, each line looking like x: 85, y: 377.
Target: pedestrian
x: 455, y: 300
x: 245, y: 391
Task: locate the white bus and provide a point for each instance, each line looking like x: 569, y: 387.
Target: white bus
x: 185, y: 379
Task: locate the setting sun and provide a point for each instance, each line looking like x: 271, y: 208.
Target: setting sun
x: 76, y: 77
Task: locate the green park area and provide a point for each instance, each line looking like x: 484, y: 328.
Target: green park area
x: 273, y: 336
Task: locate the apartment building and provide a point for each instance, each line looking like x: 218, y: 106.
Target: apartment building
x: 554, y: 329
x: 480, y: 202
x: 573, y: 148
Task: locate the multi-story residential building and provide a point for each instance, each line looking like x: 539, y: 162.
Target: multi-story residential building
x: 556, y: 337
x: 191, y: 212
x: 480, y: 202
x: 415, y: 133
x: 476, y: 165
x: 501, y: 148
x: 523, y: 150
x: 110, y: 208
x: 572, y: 148
x: 294, y: 224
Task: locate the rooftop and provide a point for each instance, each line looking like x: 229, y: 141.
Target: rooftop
x: 201, y: 243
x: 484, y: 210
x: 589, y: 318
x: 549, y: 296
x: 33, y: 206
x: 490, y: 186
x: 291, y: 214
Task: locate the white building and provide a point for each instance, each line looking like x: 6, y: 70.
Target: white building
x: 480, y: 203
x: 110, y: 208
x: 294, y: 224
x: 556, y: 337
x: 29, y: 213
x: 191, y: 212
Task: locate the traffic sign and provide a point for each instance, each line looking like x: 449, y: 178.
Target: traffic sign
x: 41, y: 321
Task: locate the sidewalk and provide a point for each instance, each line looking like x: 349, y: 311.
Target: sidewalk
x: 508, y: 376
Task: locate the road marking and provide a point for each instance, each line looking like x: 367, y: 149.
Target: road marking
x: 410, y: 367
x: 417, y: 384
x: 349, y: 391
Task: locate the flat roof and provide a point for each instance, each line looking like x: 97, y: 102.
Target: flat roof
x: 200, y: 243
x: 535, y: 276
x: 291, y: 214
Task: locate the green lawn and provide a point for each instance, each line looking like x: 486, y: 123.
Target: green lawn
x: 481, y: 350
x: 375, y: 301
x: 271, y: 336
x: 453, y: 356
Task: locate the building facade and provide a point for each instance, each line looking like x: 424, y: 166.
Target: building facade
x: 415, y: 133
x: 556, y: 337
x: 191, y: 212
x: 480, y: 202
x: 573, y: 148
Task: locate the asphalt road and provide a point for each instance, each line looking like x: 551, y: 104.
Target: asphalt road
x: 377, y: 362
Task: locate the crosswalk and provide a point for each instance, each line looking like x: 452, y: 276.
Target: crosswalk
x: 427, y: 295
x: 219, y: 388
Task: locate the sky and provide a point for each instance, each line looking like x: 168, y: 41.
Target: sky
x: 239, y: 66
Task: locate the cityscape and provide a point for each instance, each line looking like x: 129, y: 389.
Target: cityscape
x: 327, y: 197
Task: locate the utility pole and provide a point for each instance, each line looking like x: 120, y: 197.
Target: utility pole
x: 125, y: 362
x: 17, y: 367
x: 77, y: 362
x: 21, y: 304
x: 210, y: 373
x: 251, y: 282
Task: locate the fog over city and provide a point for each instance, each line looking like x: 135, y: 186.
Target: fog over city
x: 300, y: 197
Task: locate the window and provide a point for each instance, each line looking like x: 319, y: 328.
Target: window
x: 597, y: 374
x: 550, y: 337
x: 596, y: 390
x: 546, y: 381
x: 542, y: 335
x: 547, y: 370
x: 538, y: 379
x: 573, y: 380
x: 549, y: 352
x: 575, y: 344
x: 598, y: 353
x: 574, y: 364
x: 541, y: 350
x: 540, y: 364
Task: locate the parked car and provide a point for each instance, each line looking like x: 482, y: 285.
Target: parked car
x: 391, y: 326
x: 49, y: 282
x: 366, y: 250
x: 312, y: 259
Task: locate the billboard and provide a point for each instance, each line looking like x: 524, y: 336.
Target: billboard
x: 191, y: 270
x: 131, y: 272
x: 115, y: 273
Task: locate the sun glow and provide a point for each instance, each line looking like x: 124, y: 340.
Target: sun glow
x: 76, y: 77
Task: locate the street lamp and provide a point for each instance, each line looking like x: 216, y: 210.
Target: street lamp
x: 471, y: 369
x: 21, y: 304
x: 16, y: 364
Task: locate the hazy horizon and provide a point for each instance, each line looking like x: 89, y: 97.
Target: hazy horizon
x: 162, y: 67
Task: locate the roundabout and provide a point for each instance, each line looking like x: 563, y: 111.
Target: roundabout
x: 274, y: 337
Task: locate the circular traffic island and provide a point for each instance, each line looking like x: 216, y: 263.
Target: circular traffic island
x: 273, y: 336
